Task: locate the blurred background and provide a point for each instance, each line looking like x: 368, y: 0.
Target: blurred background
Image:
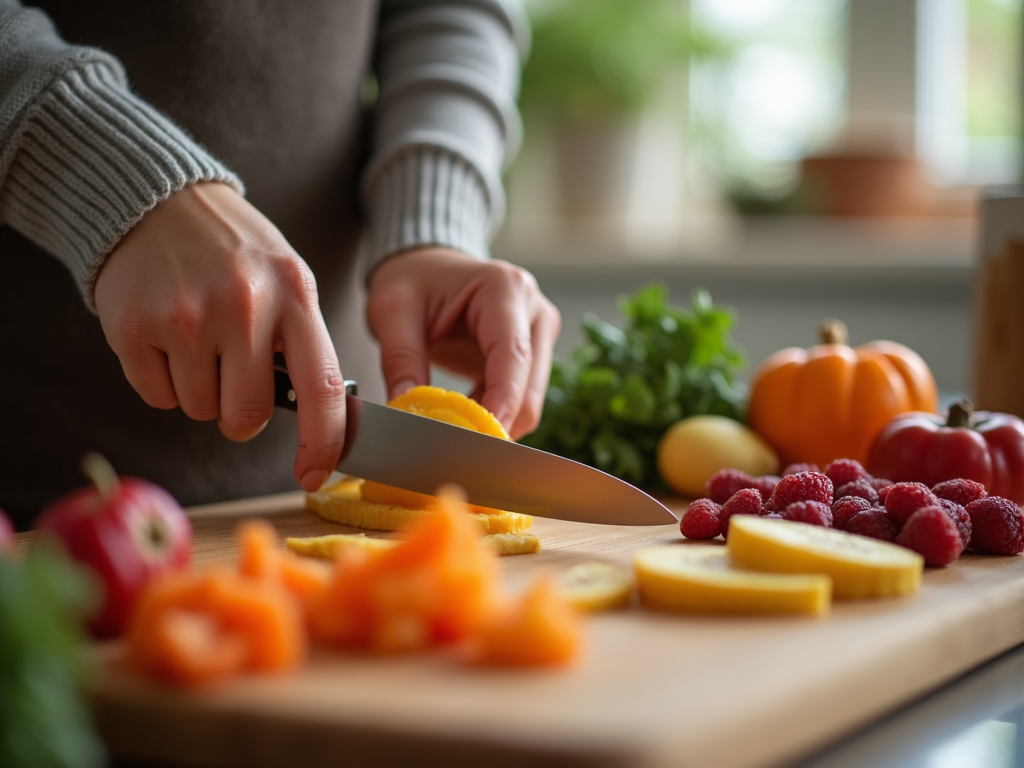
x: 802, y: 159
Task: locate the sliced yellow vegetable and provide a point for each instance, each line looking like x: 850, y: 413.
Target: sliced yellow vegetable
x: 857, y: 565
x: 342, y: 503
x: 596, y: 586
x: 451, y: 407
x: 513, y: 543
x: 330, y: 545
x: 700, y: 578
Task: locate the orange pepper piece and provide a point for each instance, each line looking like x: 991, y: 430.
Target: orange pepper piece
x: 539, y: 629
x: 193, y: 628
x: 433, y: 587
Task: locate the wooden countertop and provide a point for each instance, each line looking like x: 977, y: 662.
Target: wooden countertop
x: 651, y: 690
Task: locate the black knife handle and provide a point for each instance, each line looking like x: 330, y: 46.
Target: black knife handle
x: 284, y: 393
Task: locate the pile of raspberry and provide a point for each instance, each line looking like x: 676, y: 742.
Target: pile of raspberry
x: 939, y: 523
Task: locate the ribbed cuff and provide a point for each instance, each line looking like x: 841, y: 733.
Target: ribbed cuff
x: 428, y: 196
x: 92, y: 159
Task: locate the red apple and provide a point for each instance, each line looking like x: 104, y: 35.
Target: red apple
x: 126, y: 530
x: 6, y: 533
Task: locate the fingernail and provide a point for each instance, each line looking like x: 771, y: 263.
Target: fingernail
x: 402, y: 387
x: 314, y: 480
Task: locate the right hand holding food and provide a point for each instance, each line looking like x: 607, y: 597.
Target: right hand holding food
x: 196, y: 299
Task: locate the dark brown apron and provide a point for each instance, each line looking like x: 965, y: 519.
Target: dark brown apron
x: 271, y: 88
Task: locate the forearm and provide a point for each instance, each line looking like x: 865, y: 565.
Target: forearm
x: 445, y: 124
x: 81, y: 158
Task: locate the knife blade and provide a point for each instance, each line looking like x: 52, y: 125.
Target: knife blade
x: 417, y: 453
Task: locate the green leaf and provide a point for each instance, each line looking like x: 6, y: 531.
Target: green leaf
x: 624, y: 386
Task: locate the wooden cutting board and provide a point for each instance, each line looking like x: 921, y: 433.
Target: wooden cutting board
x: 652, y: 689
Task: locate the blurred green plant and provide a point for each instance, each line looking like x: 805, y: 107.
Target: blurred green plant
x: 44, y: 722
x: 623, y: 387
x: 600, y: 58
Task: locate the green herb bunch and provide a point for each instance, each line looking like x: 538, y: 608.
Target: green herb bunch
x: 623, y: 387
x: 44, y: 722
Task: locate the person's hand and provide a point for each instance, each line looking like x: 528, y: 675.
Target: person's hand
x: 484, y: 320
x: 196, y: 299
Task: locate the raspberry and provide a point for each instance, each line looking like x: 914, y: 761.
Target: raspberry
x: 960, y: 519
x: 843, y: 471
x: 997, y: 526
x: 845, y: 508
x: 904, y: 499
x: 932, y: 534
x: 746, y: 501
x: 701, y: 520
x: 795, y: 469
x: 805, y: 486
x: 881, y: 487
x: 811, y: 512
x: 766, y: 484
x: 773, y: 516
x: 962, y: 491
x: 725, y: 482
x: 861, y: 488
x: 875, y: 523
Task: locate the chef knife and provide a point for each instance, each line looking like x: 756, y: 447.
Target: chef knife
x: 417, y: 453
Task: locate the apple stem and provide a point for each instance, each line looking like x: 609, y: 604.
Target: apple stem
x: 98, y: 470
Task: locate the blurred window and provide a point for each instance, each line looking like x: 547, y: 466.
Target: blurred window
x: 776, y: 95
x: 970, y: 89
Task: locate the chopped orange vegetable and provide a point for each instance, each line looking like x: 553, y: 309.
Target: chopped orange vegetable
x: 262, y: 559
x: 435, y: 586
x: 194, y: 628
x: 542, y: 628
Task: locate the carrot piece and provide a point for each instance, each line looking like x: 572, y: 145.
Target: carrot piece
x: 432, y: 587
x: 260, y: 558
x: 190, y: 648
x: 540, y: 629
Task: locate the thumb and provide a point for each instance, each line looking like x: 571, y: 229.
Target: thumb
x: 398, y: 323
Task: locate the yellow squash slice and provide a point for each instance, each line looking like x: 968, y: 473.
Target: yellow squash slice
x: 858, y: 566
x: 513, y: 543
x: 330, y: 545
x: 342, y: 503
x: 701, y: 578
x: 596, y: 586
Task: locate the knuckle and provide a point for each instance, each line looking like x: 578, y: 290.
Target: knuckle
x: 514, y: 277
x: 385, y: 303
x: 247, y: 416
x: 327, y: 388
x: 399, y: 359
x: 297, y: 279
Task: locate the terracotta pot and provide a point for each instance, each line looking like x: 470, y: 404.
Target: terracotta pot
x: 865, y: 184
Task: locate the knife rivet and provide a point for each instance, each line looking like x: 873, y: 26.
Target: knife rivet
x: 291, y: 395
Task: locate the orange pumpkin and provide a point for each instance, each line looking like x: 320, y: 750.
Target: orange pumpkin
x: 830, y: 401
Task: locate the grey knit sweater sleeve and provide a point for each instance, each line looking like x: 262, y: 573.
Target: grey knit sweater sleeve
x: 445, y: 123
x: 81, y: 158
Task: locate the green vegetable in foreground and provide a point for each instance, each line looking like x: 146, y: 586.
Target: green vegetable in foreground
x: 623, y: 387
x: 44, y: 722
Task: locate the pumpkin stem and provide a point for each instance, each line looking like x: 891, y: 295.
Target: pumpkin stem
x: 833, y: 331
x: 960, y: 414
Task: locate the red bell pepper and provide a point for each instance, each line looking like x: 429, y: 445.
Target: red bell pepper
x: 981, y: 446
x: 126, y: 531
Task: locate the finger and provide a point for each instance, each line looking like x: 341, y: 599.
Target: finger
x: 320, y: 396
x: 196, y: 380
x: 396, y: 318
x: 246, y: 389
x: 546, y: 328
x: 505, y: 340
x: 147, y: 371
